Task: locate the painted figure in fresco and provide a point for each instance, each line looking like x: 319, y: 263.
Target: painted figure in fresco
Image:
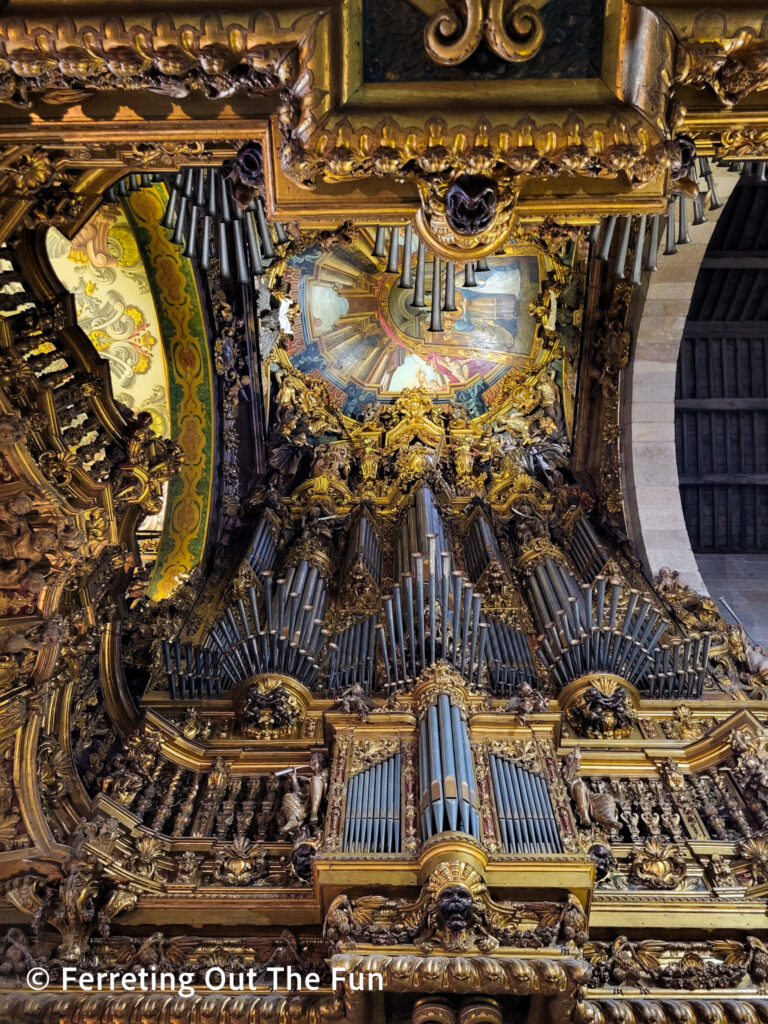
x: 363, y: 337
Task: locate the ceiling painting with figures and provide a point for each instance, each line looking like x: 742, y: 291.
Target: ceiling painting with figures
x: 368, y: 333
x: 383, y: 404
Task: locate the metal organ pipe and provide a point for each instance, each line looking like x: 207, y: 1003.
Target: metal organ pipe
x: 527, y: 822
x: 446, y: 772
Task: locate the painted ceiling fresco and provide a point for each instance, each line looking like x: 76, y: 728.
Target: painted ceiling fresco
x: 359, y: 330
x: 103, y: 269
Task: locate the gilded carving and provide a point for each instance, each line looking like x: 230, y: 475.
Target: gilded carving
x: 240, y: 863
x: 598, y: 808
x: 683, y: 726
x: 454, y: 912
x: 436, y: 679
x: 79, y: 899
x: 266, y: 709
x: 204, y: 56
x: 454, y: 33
x: 372, y: 751
x: 604, y: 710
x: 658, y: 865
x: 732, y: 67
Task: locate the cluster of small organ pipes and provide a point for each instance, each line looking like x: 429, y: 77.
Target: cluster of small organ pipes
x: 205, y: 218
x: 435, y: 613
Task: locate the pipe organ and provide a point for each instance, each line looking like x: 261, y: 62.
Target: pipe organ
x: 524, y: 811
x: 482, y: 547
x: 589, y: 554
x: 421, y: 521
x: 363, y: 550
x: 372, y: 818
x: 606, y: 626
x: 448, y: 791
x: 437, y: 612
x: 262, y: 550
x: 353, y: 656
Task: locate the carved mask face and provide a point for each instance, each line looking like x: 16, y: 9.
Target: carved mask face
x: 603, y: 858
x: 454, y: 907
x: 470, y: 204
x: 687, y: 148
x: 301, y: 860
x: 249, y: 164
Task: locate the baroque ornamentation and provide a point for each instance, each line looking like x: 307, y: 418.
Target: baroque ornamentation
x: 240, y: 863
x: 454, y: 33
x: 436, y: 679
x: 681, y: 726
x: 303, y: 801
x: 658, y: 865
x: 267, y: 708
x: 526, y: 702
x: 77, y: 901
x: 604, y: 710
x: 453, y: 912
x: 719, y: 963
x: 471, y: 972
x: 732, y: 67
x: 200, y: 56
x: 597, y: 808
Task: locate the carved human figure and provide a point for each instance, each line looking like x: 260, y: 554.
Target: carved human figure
x: 599, y: 808
x: 301, y: 803
x: 11, y: 431
x: 353, y: 701
x: 26, y: 547
x: 294, y: 807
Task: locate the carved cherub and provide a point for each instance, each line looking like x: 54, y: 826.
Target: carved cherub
x: 526, y: 702
x: 353, y: 701
x: 15, y: 956
x: 26, y: 547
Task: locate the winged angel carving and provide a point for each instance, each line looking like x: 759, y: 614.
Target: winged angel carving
x: 454, y: 912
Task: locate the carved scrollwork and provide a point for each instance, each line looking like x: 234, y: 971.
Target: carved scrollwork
x: 454, y: 912
x: 515, y: 32
x: 732, y: 67
x: 659, y: 865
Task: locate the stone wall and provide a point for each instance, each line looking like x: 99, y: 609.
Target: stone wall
x: 649, y: 460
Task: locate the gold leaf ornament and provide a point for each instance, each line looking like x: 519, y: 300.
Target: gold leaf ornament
x: 514, y: 32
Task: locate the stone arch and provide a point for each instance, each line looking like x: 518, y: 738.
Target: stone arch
x: 649, y: 462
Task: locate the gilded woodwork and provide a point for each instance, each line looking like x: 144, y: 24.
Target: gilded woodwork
x: 660, y: 808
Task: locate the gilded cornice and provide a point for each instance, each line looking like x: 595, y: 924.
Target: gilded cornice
x: 743, y: 1010
x: 214, y: 1008
x: 516, y: 974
